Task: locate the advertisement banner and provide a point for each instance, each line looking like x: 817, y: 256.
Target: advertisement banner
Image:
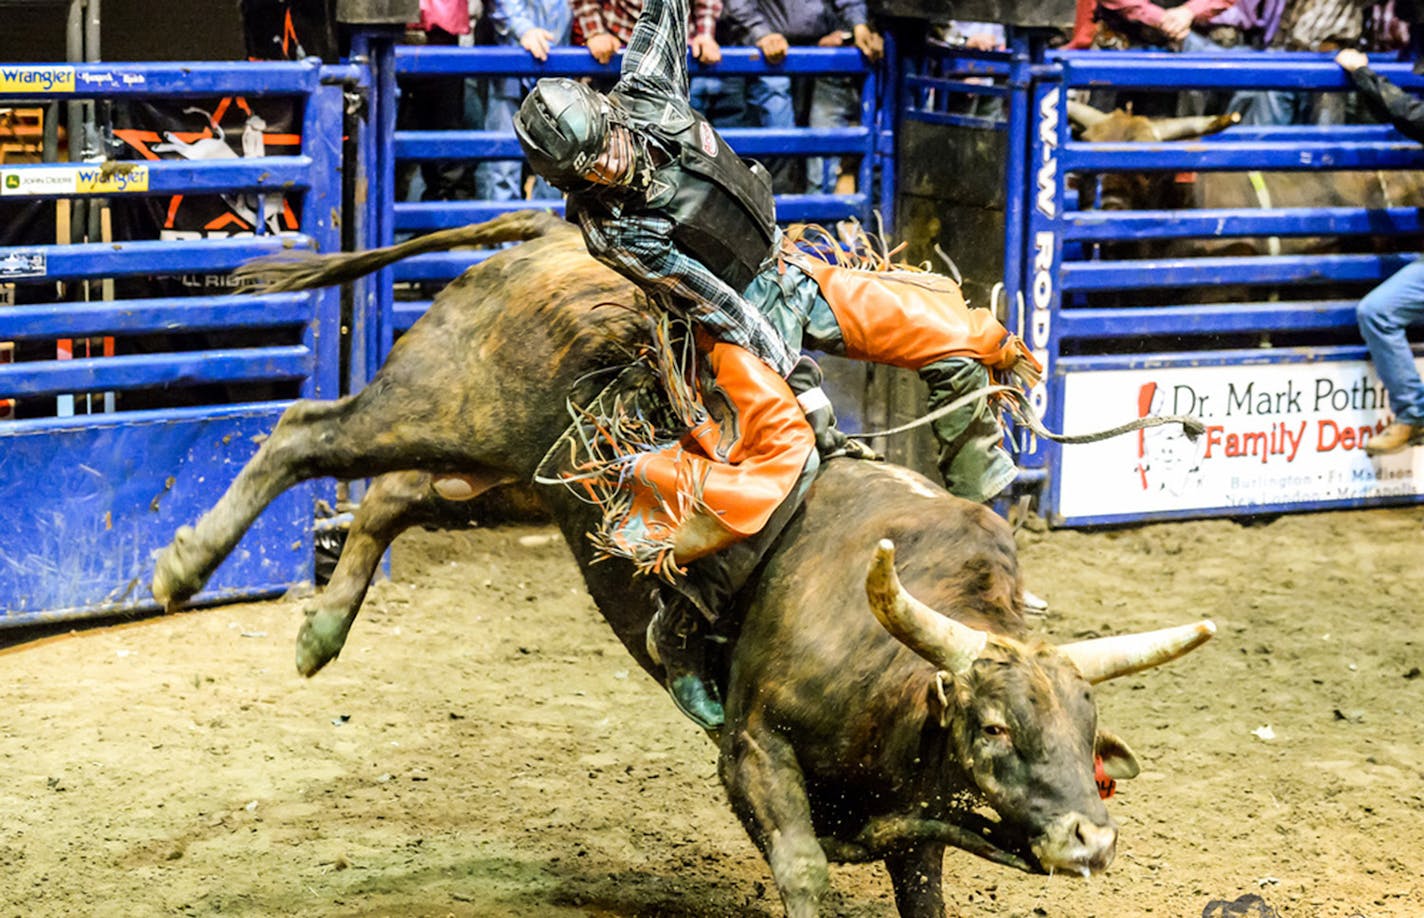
x: 1280, y: 433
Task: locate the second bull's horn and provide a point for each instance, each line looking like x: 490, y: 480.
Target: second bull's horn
x: 1107, y: 658
x: 1084, y: 115
x: 943, y: 641
x: 1193, y: 125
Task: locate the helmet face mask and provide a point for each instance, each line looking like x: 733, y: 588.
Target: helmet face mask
x: 564, y: 128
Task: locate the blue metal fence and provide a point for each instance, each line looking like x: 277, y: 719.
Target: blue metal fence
x: 86, y: 499
x: 1159, y: 325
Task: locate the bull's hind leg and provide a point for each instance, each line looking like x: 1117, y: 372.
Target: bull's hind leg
x: 353, y: 437
x: 768, y: 793
x: 392, y: 504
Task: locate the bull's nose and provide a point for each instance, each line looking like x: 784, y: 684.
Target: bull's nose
x: 1099, y: 843
x: 1076, y: 844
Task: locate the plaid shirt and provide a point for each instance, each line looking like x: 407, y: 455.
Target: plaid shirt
x: 618, y: 17
x: 635, y: 239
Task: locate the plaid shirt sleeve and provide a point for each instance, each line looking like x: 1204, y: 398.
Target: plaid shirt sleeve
x: 656, y: 56
x: 639, y: 246
x: 589, y: 16
x: 705, y: 14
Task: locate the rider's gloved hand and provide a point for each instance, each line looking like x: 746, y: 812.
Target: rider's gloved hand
x: 805, y: 382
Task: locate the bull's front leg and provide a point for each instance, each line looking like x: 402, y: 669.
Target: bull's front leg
x: 196, y: 551
x: 768, y: 793
x: 354, y: 437
x: 917, y: 876
x: 392, y: 504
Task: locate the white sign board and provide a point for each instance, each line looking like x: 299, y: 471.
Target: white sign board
x: 1277, y: 433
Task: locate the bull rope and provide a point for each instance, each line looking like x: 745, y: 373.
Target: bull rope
x: 1024, y: 414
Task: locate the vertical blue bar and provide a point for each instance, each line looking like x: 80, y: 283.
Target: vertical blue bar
x: 884, y: 125
x: 1043, y: 254
x: 364, y: 307
x: 383, y: 62
x: 1016, y: 288
x: 321, y: 140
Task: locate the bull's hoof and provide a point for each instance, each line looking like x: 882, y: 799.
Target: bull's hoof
x: 174, y: 578
x: 320, y: 640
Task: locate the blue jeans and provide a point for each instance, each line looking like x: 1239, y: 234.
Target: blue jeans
x: 500, y: 180
x: 1384, y: 314
x: 835, y: 102
x: 721, y: 100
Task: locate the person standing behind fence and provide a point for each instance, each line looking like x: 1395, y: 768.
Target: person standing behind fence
x: 536, y: 26
x: 774, y: 26
x: 435, y: 103
x: 1308, y: 25
x: 1388, y: 310
x: 1168, y: 26
x: 605, y: 26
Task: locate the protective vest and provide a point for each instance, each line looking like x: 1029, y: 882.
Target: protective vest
x: 721, y: 206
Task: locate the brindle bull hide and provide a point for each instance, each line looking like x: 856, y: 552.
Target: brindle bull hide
x: 843, y: 741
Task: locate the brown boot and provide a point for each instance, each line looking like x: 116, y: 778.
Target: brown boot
x: 1395, y: 438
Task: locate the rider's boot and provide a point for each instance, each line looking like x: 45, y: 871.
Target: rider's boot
x: 678, y: 639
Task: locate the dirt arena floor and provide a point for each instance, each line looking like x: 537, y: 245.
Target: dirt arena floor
x: 484, y: 748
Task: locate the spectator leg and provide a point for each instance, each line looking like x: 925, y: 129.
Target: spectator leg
x: 499, y: 180
x: 835, y: 102
x: 769, y: 106
x: 1384, y: 315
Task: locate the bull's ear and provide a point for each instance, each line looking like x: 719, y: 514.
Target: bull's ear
x: 942, y: 698
x: 1118, y: 760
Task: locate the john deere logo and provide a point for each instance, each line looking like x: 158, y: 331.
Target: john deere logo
x: 12, y: 181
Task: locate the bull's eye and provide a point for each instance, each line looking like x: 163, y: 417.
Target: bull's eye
x: 996, y: 730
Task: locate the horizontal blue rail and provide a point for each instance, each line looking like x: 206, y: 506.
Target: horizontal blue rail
x: 1261, y: 356
x: 438, y: 266
x: 1135, y: 225
x: 1228, y: 155
x: 139, y: 371
x: 126, y: 259
x: 1174, y: 72
x: 153, y: 316
x: 1206, y: 319
x: 166, y: 177
x: 1089, y: 276
x: 170, y: 80
x: 491, y: 145
x: 427, y: 216
x: 426, y: 60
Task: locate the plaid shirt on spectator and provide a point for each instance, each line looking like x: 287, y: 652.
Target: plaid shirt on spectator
x: 635, y: 240
x: 1308, y: 25
x: 618, y: 17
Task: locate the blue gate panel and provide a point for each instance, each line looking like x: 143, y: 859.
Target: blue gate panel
x: 76, y: 541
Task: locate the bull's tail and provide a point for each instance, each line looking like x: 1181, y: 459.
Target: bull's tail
x: 308, y: 270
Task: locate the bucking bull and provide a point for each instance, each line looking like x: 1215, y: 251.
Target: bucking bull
x: 865, y: 719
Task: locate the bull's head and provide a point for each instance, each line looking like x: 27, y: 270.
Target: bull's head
x: 1137, y: 191
x: 1022, y: 722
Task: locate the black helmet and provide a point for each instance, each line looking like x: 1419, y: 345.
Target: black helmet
x: 563, y: 127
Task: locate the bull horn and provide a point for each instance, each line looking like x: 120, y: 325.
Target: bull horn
x: 1193, y: 126
x: 1107, y: 658
x: 1084, y: 115
x: 943, y: 641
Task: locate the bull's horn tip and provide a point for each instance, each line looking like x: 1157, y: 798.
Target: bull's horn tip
x: 1207, y: 627
x: 885, y: 546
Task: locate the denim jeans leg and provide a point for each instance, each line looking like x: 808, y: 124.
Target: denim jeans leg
x: 1384, y: 314
x: 835, y: 102
x: 499, y: 180
x: 769, y: 105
